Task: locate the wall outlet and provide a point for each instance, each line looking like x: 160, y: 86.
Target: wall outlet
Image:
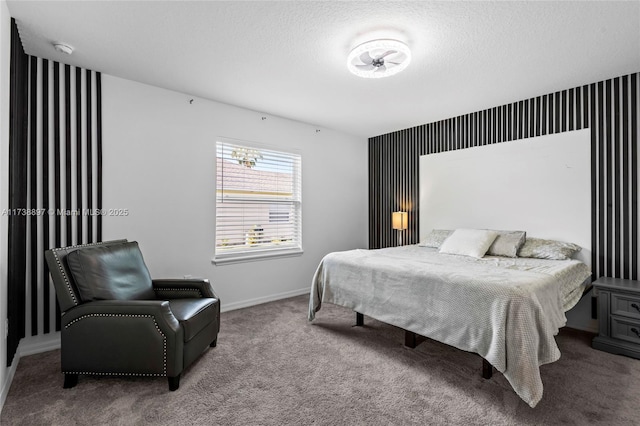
x: 188, y: 277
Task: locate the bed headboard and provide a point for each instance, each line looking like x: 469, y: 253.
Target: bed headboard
x: 539, y: 185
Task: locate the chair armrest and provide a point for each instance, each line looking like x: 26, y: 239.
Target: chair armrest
x: 158, y: 309
x: 183, y: 288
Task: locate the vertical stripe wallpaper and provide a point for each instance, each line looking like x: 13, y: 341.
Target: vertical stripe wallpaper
x: 608, y: 108
x: 64, y: 166
x: 16, y: 242
x: 58, y: 189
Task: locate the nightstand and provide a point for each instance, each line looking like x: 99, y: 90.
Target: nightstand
x: 618, y: 316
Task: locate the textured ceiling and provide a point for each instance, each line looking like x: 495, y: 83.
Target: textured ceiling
x: 288, y: 58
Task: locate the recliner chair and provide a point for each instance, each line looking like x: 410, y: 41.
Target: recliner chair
x: 116, y: 320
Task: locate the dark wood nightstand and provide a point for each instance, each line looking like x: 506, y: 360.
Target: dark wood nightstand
x: 618, y: 316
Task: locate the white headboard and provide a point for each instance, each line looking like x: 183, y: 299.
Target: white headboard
x: 539, y: 185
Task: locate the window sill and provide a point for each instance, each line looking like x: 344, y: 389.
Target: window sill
x: 240, y: 258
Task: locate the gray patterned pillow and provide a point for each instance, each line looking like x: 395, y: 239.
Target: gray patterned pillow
x: 548, y: 249
x: 435, y: 238
x: 507, y: 243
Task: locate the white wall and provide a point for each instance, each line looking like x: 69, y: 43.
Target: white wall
x: 513, y: 185
x: 159, y: 159
x: 513, y: 194
x: 5, y: 54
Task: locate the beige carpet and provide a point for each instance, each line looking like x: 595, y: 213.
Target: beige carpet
x: 272, y: 367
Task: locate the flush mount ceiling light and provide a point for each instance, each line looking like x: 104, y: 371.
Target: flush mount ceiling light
x: 379, y: 58
x: 64, y: 48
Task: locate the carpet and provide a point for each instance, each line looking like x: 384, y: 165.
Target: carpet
x: 273, y: 367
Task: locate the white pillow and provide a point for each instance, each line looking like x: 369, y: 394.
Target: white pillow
x: 469, y: 242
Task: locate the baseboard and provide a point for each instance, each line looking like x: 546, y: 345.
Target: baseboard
x: 582, y: 328
x: 28, y: 346
x: 48, y: 342
x: 38, y: 344
x: 11, y: 371
x: 260, y: 300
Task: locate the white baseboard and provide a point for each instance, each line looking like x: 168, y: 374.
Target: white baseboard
x: 48, y: 342
x: 10, y: 372
x: 51, y: 341
x: 28, y: 346
x: 259, y: 300
x: 38, y: 344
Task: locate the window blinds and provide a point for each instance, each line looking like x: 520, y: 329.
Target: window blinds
x: 258, y: 201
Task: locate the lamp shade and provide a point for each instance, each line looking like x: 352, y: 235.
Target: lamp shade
x: 399, y: 220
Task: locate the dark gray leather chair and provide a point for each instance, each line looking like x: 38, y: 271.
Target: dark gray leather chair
x: 116, y: 320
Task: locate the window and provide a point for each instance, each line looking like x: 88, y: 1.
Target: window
x: 278, y: 214
x: 258, y: 202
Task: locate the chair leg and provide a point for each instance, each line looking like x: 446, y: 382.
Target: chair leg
x: 70, y: 380
x: 214, y: 343
x: 174, y: 383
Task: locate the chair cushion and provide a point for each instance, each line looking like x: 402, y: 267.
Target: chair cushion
x: 111, y: 272
x: 193, y: 314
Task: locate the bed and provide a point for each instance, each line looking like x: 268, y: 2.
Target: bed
x: 507, y: 310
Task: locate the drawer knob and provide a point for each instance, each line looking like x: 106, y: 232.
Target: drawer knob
x: 635, y: 330
x: 635, y: 305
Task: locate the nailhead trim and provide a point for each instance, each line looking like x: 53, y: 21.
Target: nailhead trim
x: 155, y: 323
x: 116, y: 374
x: 73, y: 296
x: 197, y: 290
x: 64, y: 275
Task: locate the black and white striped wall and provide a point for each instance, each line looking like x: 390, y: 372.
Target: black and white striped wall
x: 64, y: 175
x: 62, y: 181
x: 610, y: 109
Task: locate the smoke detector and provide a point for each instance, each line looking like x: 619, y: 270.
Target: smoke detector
x: 63, y: 48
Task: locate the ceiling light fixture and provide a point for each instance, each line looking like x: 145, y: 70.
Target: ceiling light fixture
x: 64, y: 48
x: 379, y: 58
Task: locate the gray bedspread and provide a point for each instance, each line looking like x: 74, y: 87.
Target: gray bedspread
x: 507, y: 310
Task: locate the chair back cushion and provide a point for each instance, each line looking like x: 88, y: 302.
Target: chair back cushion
x: 111, y: 272
x: 65, y: 286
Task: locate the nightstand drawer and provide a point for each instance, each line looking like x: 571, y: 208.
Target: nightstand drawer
x: 625, y: 329
x: 624, y: 305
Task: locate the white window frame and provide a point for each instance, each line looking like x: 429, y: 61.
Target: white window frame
x: 248, y: 252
